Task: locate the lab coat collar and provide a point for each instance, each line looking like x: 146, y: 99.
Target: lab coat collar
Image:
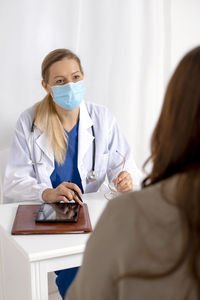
x: 84, y: 118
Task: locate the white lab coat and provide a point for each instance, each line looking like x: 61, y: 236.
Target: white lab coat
x: 24, y: 181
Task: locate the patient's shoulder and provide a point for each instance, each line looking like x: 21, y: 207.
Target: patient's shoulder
x: 156, y: 201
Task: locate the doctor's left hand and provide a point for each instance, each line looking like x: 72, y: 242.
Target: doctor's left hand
x: 63, y: 192
x: 124, y: 182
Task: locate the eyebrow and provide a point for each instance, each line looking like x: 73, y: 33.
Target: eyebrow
x: 76, y: 72
x: 64, y: 76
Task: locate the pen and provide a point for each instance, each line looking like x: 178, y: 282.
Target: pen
x: 76, y: 193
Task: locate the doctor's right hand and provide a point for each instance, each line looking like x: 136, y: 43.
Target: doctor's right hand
x: 63, y: 192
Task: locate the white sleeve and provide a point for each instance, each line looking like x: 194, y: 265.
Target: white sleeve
x: 20, y: 182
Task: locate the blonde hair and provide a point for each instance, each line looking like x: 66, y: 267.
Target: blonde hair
x: 46, y: 117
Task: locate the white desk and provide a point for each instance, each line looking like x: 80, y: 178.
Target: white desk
x: 26, y: 260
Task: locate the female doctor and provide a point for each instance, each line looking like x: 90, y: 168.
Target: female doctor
x: 63, y: 138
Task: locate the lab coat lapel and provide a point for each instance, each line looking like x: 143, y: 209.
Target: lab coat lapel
x: 42, y: 142
x: 85, y: 136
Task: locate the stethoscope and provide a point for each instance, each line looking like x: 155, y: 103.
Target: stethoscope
x: 91, y: 176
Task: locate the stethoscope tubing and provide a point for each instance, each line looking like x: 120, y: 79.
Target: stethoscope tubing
x: 94, y: 149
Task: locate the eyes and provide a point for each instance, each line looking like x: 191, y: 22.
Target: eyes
x: 63, y: 80
x: 76, y: 77
x: 59, y: 81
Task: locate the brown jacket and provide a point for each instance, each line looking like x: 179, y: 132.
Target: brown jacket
x: 138, y: 232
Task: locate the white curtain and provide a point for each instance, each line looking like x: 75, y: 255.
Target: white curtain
x: 123, y: 45
x: 125, y: 49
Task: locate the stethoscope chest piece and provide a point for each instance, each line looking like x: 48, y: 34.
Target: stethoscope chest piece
x: 91, y: 176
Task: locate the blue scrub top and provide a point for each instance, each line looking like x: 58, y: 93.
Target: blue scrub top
x: 68, y: 171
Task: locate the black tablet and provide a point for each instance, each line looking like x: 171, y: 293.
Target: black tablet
x: 58, y: 212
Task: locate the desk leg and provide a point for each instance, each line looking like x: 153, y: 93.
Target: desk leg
x: 16, y: 279
x: 21, y: 279
x: 39, y: 280
x: 1, y: 274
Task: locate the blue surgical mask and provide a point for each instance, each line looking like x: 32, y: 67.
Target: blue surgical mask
x: 70, y: 95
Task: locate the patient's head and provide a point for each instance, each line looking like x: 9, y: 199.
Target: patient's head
x: 175, y: 144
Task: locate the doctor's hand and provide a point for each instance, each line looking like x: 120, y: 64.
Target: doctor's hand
x: 123, y: 183
x: 63, y: 192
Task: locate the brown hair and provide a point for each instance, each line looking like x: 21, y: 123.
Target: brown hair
x: 46, y: 117
x: 175, y: 149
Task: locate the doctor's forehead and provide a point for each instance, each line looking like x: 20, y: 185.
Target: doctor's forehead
x: 64, y: 67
